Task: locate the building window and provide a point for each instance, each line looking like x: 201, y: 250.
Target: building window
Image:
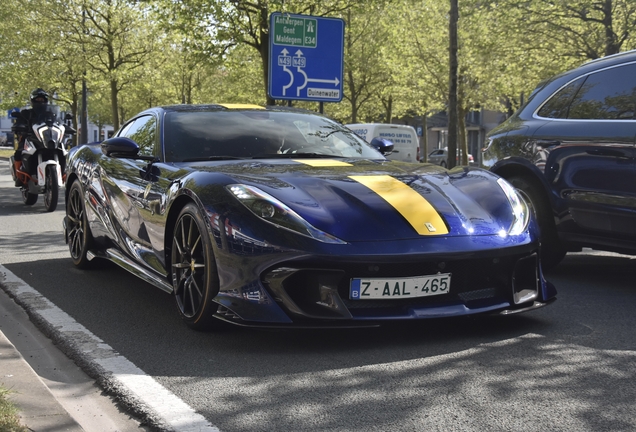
x: 442, y: 139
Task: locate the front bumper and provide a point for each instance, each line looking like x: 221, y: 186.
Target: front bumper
x: 314, y: 292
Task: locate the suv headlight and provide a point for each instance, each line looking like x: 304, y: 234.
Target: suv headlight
x: 275, y: 212
x: 520, y: 209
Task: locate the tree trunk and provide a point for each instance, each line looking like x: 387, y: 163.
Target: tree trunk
x: 611, y: 45
x: 461, y: 135
x: 424, y: 145
x: 351, y: 84
x: 353, y: 96
x: 74, y: 108
x: 452, y: 84
x: 113, y: 103
x: 264, y: 51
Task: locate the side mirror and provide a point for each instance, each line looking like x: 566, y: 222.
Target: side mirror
x: 382, y: 145
x: 120, y: 147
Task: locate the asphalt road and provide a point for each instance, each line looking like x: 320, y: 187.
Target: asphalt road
x: 568, y: 367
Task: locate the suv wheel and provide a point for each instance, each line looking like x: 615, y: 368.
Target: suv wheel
x: 552, y: 251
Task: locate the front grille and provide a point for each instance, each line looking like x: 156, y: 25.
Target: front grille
x: 478, y: 295
x: 473, y: 280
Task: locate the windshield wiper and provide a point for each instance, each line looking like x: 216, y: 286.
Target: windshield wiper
x: 212, y: 158
x: 295, y: 155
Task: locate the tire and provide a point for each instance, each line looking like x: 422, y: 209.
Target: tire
x: 28, y: 198
x: 194, y: 275
x: 51, y: 188
x: 552, y: 251
x: 442, y: 164
x: 80, y: 239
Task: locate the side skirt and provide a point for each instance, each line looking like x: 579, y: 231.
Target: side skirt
x: 134, y: 268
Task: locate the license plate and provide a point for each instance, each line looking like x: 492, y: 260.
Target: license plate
x: 395, y: 288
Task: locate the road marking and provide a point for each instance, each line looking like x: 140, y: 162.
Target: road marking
x: 161, y: 407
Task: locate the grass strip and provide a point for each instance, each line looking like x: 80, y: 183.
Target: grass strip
x: 9, y: 419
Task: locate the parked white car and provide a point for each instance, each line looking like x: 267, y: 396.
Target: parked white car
x: 440, y: 157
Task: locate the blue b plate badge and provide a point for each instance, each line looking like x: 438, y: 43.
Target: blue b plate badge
x: 399, y: 288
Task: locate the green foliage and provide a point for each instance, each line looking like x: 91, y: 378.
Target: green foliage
x: 9, y: 420
x: 134, y: 54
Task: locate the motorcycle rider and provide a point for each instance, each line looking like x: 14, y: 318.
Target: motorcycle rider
x: 23, y: 122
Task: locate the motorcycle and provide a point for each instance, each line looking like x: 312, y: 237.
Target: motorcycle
x: 44, y: 153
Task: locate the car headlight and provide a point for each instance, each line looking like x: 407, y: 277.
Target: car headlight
x: 275, y: 212
x: 520, y: 210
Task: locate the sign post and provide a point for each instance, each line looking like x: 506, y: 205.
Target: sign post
x: 306, y: 58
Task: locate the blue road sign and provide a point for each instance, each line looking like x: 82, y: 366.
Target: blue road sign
x: 12, y: 110
x: 306, y: 57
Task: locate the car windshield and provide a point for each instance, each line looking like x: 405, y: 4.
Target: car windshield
x: 214, y: 135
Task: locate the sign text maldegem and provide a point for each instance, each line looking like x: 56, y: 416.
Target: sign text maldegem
x: 294, y: 31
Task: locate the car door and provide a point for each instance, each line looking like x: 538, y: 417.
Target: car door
x: 129, y: 185
x: 589, y: 141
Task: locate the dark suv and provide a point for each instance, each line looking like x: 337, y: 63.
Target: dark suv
x: 571, y: 149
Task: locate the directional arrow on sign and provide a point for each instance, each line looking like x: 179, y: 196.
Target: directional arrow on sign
x: 284, y: 52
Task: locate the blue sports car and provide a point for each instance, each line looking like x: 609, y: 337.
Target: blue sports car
x: 275, y: 217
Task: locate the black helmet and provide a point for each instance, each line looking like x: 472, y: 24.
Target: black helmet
x: 39, y: 96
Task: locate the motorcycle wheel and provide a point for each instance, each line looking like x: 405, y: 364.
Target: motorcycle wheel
x: 28, y: 198
x: 51, y: 189
x: 80, y: 239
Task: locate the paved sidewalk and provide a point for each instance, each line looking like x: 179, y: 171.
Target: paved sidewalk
x: 50, y: 391
x: 39, y: 409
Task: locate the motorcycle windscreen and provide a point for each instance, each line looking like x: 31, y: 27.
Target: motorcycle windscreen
x: 46, y: 113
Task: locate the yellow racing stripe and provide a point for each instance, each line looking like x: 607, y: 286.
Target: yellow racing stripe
x: 322, y: 162
x: 410, y: 204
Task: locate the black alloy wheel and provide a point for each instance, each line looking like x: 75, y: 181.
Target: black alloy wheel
x: 51, y: 188
x: 194, y: 275
x: 28, y: 198
x: 79, y: 236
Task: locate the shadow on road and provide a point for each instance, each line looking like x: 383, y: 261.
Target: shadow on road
x: 574, y: 359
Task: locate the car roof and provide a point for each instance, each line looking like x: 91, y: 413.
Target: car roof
x: 209, y: 107
x: 620, y: 57
x: 221, y: 107
x: 224, y: 107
